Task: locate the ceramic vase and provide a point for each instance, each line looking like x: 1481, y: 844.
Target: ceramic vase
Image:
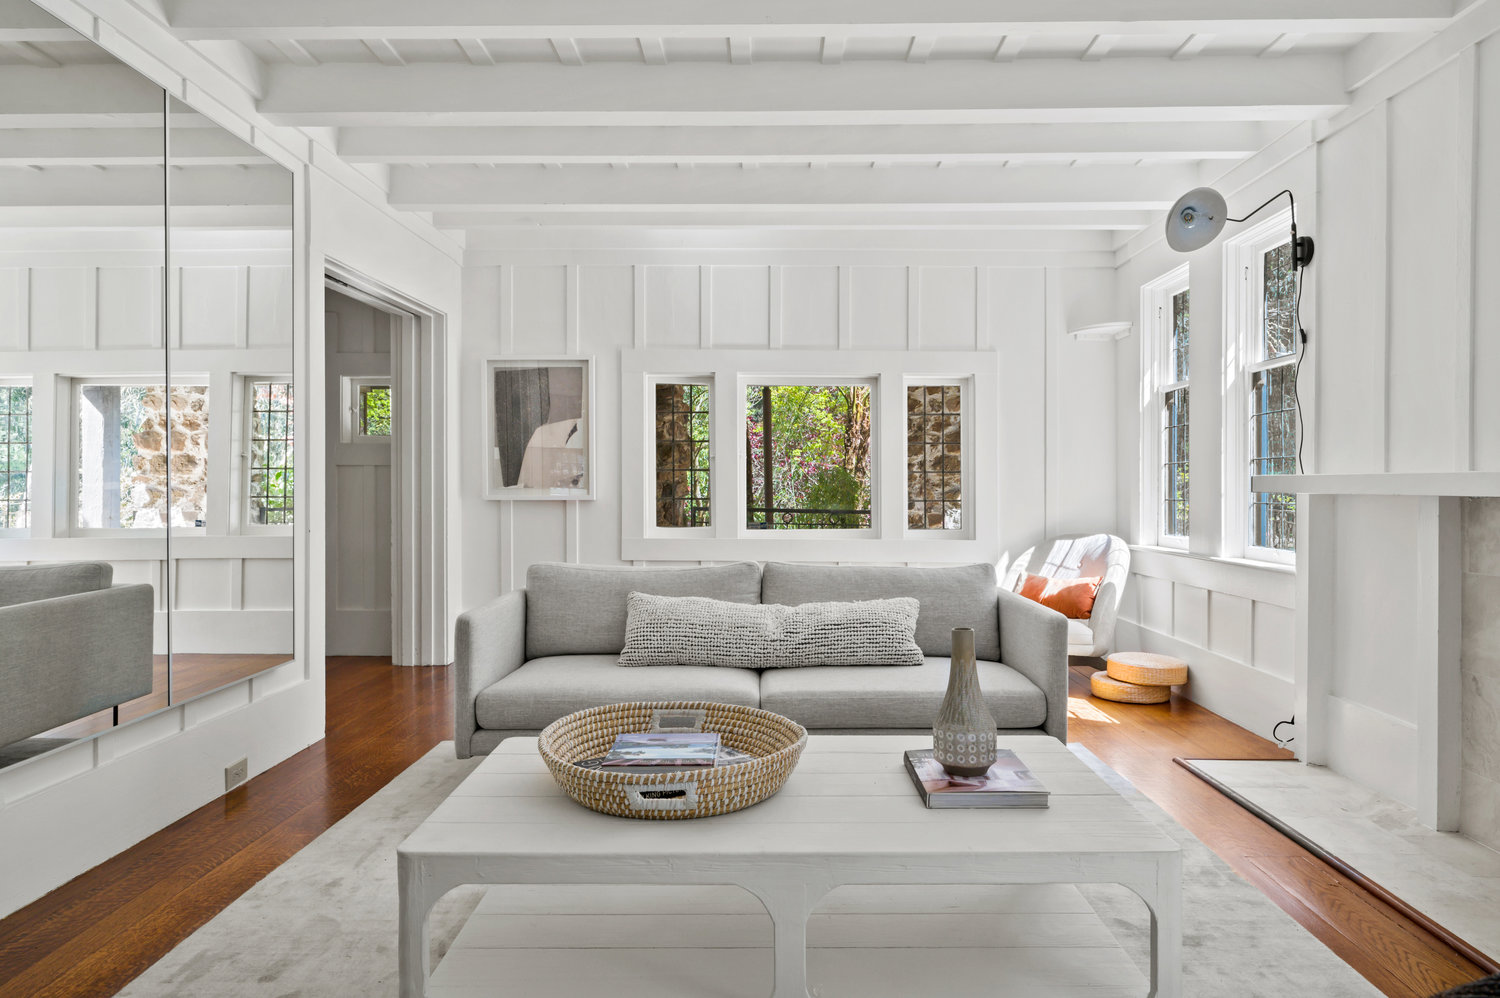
x: 963, y: 739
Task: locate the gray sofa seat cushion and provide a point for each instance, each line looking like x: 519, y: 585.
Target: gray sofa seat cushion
x: 545, y: 689
x: 832, y: 697
x: 959, y: 596
x: 29, y: 583
x: 580, y: 609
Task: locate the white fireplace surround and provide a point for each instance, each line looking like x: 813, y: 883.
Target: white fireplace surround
x: 1382, y: 667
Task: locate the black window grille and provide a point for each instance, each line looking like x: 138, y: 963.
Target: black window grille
x: 15, y: 456
x: 934, y: 457
x: 272, y: 486
x: 682, y: 452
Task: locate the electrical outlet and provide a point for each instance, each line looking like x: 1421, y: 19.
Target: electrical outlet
x: 236, y: 773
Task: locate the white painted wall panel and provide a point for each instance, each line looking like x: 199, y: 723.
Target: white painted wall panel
x: 741, y: 310
x: 1423, y: 277
x: 672, y: 306
x: 810, y: 308
x: 1190, y: 614
x: 14, y: 317
x: 1017, y: 330
x: 1156, y: 603
x: 607, y: 325
x: 61, y: 309
x: 130, y: 308
x: 606, y: 304
x: 213, y: 308
x: 879, y: 307
x: 540, y: 309
x: 1485, y: 419
x: 1081, y: 405
x: 1350, y: 270
x: 541, y: 535
x: 203, y: 584
x: 1229, y: 625
x: 1275, y: 631
x: 270, y: 321
x: 1373, y: 748
x: 267, y: 583
x: 947, y: 317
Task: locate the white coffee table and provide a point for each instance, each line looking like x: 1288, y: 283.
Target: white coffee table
x: 847, y: 815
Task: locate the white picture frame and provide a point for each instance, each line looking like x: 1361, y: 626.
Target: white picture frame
x: 538, y: 427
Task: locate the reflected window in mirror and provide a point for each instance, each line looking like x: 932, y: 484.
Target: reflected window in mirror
x: 125, y: 455
x: 15, y: 458
x: 269, y: 479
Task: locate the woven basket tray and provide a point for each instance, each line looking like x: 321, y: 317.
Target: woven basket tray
x: 692, y: 793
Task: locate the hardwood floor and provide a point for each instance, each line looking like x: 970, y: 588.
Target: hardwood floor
x: 94, y: 934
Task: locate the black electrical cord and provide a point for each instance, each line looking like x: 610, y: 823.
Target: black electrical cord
x: 1301, y: 355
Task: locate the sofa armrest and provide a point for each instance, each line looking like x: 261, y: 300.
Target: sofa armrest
x: 67, y: 657
x: 490, y: 642
x: 1034, y: 642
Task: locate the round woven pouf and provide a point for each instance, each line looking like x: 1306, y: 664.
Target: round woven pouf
x: 1106, y: 688
x: 1145, y: 669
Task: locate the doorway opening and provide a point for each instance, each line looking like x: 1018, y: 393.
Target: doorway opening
x: 386, y: 524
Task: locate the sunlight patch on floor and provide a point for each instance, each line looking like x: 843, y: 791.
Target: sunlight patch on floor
x: 1082, y: 710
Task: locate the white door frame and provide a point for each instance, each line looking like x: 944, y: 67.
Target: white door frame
x: 420, y: 560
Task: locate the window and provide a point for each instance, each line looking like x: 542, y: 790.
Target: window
x: 375, y: 410
x: 368, y: 406
x: 269, y: 480
x: 123, y: 452
x: 1261, y: 407
x: 682, y: 455
x: 934, y: 457
x: 807, y: 464
x: 15, y: 457
x: 1166, y: 427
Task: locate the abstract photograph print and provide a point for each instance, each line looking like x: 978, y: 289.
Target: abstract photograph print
x: 539, y: 428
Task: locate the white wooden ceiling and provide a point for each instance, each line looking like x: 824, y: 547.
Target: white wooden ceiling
x: 1082, y: 115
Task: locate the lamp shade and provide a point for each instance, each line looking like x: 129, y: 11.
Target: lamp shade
x: 1196, y: 218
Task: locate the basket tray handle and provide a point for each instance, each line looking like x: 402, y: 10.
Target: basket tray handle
x: 688, y: 719
x: 663, y: 797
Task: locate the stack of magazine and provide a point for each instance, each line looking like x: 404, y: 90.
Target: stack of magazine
x: 652, y: 752
x: 1007, y: 784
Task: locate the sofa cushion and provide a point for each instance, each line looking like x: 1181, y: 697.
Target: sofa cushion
x: 545, y: 689
x: 580, y: 609
x: 841, y: 696
x: 958, y: 596
x: 29, y: 583
x: 694, y: 630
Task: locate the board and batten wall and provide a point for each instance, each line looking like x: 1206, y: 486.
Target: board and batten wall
x: 1403, y: 312
x: 1054, y: 441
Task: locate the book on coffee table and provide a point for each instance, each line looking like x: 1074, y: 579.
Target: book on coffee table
x: 727, y: 757
x: 695, y: 749
x: 1007, y: 784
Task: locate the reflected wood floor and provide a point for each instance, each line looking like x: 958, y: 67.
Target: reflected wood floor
x: 94, y: 934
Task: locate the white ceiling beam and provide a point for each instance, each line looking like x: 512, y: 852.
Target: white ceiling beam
x: 567, y: 51
x: 28, y: 53
x: 653, y: 51
x: 1194, y: 45
x: 83, y: 96
x: 1036, y: 90
x: 475, y: 51
x: 662, y: 189
x: 1081, y: 219
x: 142, y: 186
x: 1207, y: 140
x: 1370, y: 57
x: 832, y: 52
x: 384, y: 51
x: 333, y: 19
x: 293, y: 51
x: 1283, y: 44
x: 1099, y: 47
x: 920, y: 48
x: 741, y: 51
x: 123, y: 147
x: 1010, y: 47
x: 23, y: 21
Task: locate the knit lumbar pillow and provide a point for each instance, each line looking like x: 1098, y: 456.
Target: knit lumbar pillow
x: 695, y: 630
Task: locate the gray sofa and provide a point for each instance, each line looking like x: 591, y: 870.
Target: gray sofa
x: 535, y: 654
x: 73, y: 644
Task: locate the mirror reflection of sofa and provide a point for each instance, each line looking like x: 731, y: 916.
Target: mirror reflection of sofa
x: 71, y: 644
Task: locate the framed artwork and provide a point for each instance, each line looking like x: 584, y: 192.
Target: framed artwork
x: 539, y: 428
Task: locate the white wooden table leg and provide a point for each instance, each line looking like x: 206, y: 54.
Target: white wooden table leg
x: 416, y: 898
x: 790, y: 905
x: 1164, y: 902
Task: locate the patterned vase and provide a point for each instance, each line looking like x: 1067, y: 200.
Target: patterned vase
x: 963, y: 739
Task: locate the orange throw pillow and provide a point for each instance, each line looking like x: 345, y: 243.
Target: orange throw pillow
x: 1073, y: 598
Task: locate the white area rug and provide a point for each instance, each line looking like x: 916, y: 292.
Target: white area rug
x: 323, y: 924
x: 1448, y: 877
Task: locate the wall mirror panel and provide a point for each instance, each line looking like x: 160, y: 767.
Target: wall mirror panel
x: 145, y: 401
x: 234, y: 406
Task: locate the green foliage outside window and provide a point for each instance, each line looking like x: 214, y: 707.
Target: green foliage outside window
x: 375, y: 410
x: 819, y: 460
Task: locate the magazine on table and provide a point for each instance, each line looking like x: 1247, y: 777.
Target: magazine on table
x: 726, y: 757
x: 1007, y: 784
x: 698, y: 749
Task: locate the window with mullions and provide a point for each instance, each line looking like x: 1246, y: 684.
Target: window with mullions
x: 682, y: 452
x: 15, y: 457
x: 271, y: 485
x: 1175, y: 401
x: 934, y: 457
x: 1273, y: 412
x: 807, y: 457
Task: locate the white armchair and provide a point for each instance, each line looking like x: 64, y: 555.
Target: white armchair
x: 1104, y: 555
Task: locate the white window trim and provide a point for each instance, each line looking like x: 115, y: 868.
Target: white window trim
x: 350, y: 388
x: 36, y: 471
x: 968, y: 444
x: 69, y: 476
x: 1156, y: 357
x: 243, y: 414
x: 1244, y: 311
x: 715, y: 509
x: 888, y: 539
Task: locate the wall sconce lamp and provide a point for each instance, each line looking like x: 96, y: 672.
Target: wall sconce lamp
x: 1200, y: 215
